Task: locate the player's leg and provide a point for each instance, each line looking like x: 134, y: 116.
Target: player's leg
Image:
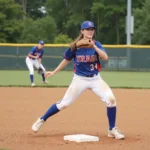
x: 37, y: 65
x: 29, y: 64
x: 75, y: 89
x: 43, y: 76
x: 101, y: 89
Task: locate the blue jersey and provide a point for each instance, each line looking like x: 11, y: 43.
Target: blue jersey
x: 86, y: 60
x: 35, y: 51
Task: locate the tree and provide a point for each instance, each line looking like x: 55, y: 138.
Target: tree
x: 110, y: 16
x: 69, y: 14
x: 36, y: 9
x: 142, y: 24
x: 10, y: 23
x: 59, y: 11
x: 62, y: 39
x: 79, y: 11
x: 35, y: 30
x: 32, y: 8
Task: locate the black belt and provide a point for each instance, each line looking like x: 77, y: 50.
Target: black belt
x: 90, y: 76
x: 31, y: 58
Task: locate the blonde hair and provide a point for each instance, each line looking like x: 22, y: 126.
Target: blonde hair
x: 73, y: 44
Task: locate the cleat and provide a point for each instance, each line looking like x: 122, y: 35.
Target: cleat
x: 45, y: 82
x: 37, y: 125
x: 116, y: 133
x: 33, y: 84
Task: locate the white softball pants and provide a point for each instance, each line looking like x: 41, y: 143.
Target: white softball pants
x: 31, y: 63
x: 80, y: 84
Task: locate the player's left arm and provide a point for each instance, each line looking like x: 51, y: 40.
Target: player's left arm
x: 100, y: 50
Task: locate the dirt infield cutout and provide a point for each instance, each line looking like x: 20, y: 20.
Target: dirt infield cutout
x: 20, y: 107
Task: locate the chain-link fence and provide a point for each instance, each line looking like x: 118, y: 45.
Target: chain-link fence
x: 121, y: 57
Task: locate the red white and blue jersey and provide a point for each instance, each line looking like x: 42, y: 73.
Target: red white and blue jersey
x: 86, y: 60
x: 36, y: 52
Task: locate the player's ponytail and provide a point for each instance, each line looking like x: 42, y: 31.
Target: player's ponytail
x: 73, y: 44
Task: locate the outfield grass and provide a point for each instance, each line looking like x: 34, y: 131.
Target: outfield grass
x: 63, y: 78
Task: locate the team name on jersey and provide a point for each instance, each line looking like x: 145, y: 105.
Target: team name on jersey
x: 87, y: 58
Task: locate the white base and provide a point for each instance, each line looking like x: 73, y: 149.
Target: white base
x: 81, y: 138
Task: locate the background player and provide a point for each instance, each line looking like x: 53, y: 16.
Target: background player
x: 86, y: 76
x: 34, y: 59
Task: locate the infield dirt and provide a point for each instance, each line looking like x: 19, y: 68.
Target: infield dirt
x: 20, y: 107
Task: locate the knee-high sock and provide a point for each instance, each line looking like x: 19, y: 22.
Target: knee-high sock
x: 31, y: 78
x: 43, y: 77
x: 111, y: 114
x: 50, y: 112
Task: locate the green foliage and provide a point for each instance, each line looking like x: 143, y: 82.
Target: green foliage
x: 66, y: 16
x: 142, y: 24
x: 10, y: 21
x: 69, y: 14
x: 112, y: 14
x: 59, y: 11
x: 34, y: 30
x: 62, y: 39
x: 108, y: 15
x: 33, y: 9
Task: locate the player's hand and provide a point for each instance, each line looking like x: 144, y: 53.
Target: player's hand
x: 49, y: 74
x: 92, y: 43
x: 37, y: 56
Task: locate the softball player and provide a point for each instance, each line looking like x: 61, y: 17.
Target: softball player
x: 34, y: 59
x: 86, y: 76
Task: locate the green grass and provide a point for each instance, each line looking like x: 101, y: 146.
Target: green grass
x: 21, y: 78
x: 127, y: 79
x: 63, y: 79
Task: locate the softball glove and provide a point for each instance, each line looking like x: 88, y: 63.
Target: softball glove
x: 40, y: 71
x: 84, y: 43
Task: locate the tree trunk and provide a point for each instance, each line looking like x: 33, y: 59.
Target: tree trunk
x: 24, y: 6
x: 98, y: 29
x: 117, y: 30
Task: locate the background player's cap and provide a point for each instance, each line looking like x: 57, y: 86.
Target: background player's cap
x: 87, y: 24
x: 41, y: 42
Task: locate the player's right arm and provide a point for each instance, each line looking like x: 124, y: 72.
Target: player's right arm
x: 63, y: 63
x: 30, y: 55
